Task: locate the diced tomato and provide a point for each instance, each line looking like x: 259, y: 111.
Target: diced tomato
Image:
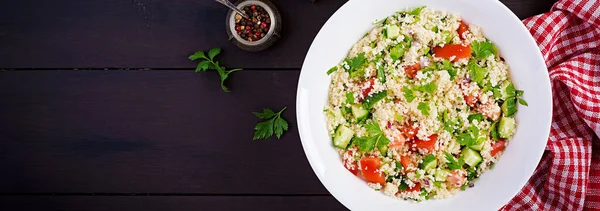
x: 470, y: 100
x: 428, y: 145
x: 462, y: 29
x: 406, y: 161
x: 417, y: 187
x: 367, y: 88
x: 498, y: 146
x: 352, y: 166
x: 409, y: 131
x: 370, y: 170
x: 398, y: 143
x: 452, y: 52
x: 456, y: 178
x: 411, y: 70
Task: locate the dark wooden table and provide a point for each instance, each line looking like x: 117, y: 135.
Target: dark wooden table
x: 100, y: 108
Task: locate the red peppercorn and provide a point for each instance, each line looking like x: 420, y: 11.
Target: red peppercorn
x: 256, y: 26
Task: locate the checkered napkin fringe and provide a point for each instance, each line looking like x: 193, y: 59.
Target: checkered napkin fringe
x: 568, y: 176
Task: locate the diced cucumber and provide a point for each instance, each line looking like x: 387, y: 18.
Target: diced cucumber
x: 429, y: 162
x: 479, y: 143
x: 506, y: 127
x: 441, y: 174
x: 509, y: 107
x: 393, y: 31
x: 507, y: 89
x: 359, y: 112
x: 472, y: 157
x: 342, y: 136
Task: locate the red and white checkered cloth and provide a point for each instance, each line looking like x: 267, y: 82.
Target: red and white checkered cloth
x: 568, y: 176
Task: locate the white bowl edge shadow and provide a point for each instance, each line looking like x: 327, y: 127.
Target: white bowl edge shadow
x: 528, y: 72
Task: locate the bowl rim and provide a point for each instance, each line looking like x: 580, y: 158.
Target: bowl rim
x: 304, y: 129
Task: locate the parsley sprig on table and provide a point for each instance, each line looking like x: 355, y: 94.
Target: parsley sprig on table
x: 273, y: 124
x: 208, y: 63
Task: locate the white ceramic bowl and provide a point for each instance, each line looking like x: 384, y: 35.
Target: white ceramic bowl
x: 528, y: 71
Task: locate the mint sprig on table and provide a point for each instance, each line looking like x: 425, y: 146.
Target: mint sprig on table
x: 274, y: 124
x: 208, y: 63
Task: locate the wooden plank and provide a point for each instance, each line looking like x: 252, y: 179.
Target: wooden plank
x: 156, y: 33
x: 148, y: 132
x: 156, y: 203
x: 144, y: 33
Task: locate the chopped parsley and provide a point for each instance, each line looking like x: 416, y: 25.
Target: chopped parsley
x: 452, y: 163
x: 424, y: 108
x: 469, y: 137
x: 349, y: 97
x: 409, y: 94
x: 483, y: 49
x: 477, y: 73
x: 429, y: 88
x: 355, y: 62
x: 376, y: 139
x: 478, y: 117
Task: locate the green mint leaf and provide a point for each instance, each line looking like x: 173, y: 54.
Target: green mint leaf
x: 409, y: 94
x: 371, y: 100
x: 350, y: 98
x: 214, y: 52
x: 274, y: 124
x: 424, y: 108
x: 523, y: 102
x: 483, y: 49
x: 477, y: 73
x: 197, y: 55
x: 331, y: 70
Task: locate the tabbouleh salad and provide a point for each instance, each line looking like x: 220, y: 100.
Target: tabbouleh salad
x: 422, y: 105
